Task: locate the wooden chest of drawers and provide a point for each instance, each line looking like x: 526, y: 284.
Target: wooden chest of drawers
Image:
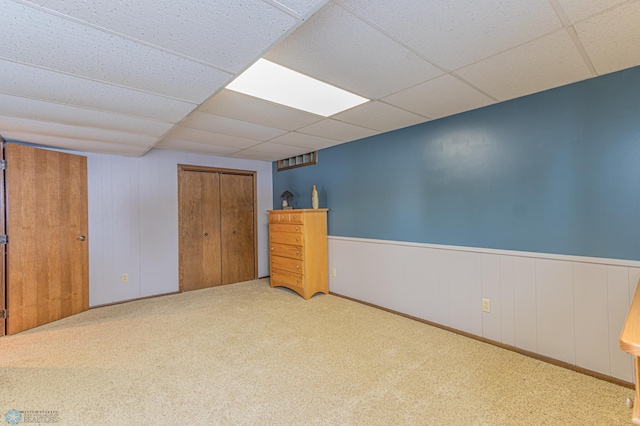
x: 298, y: 250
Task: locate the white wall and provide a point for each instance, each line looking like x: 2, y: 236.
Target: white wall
x: 133, y: 221
x: 568, y: 308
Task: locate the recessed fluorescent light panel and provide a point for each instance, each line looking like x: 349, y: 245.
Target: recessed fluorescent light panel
x: 275, y: 83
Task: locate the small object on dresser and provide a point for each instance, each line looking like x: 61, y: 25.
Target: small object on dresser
x: 315, y: 203
x: 285, y: 200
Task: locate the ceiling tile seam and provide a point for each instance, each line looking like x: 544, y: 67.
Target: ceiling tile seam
x: 71, y: 138
x: 411, y: 49
x: 82, y: 77
x: 270, y: 140
x: 583, y: 52
x: 226, y: 134
x: 48, y: 101
x: 124, y: 36
x: 562, y: 15
x: 391, y: 36
x: 203, y: 144
x: 299, y: 130
x: 473, y: 86
x: 78, y: 126
x: 557, y: 7
x: 218, y: 133
x: 284, y: 9
x: 424, y: 57
x: 404, y: 109
x: 351, y: 124
x: 99, y: 150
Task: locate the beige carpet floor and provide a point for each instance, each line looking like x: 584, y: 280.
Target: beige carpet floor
x: 246, y: 354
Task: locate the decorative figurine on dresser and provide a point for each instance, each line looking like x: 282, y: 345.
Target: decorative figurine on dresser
x: 298, y: 250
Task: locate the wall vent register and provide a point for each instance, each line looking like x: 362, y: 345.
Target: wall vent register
x: 298, y: 161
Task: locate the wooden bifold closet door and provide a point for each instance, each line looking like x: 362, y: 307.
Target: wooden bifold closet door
x: 217, y: 231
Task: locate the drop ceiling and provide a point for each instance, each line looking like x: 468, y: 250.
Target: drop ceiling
x: 110, y: 77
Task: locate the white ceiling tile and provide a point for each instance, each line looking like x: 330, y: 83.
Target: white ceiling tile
x: 227, y: 34
x: 458, y: 33
x: 302, y: 7
x: 199, y: 136
x: 30, y: 82
x: 229, y: 126
x: 13, y: 106
x: 379, y: 116
x: 258, y: 155
x: 440, y: 97
x: 282, y: 150
x: 612, y: 39
x: 84, y: 51
x: 337, y: 130
x: 336, y: 47
x: 76, y: 144
x: 189, y: 146
x: 544, y: 63
x: 577, y: 10
x: 24, y: 125
x: 235, y: 105
x: 302, y: 140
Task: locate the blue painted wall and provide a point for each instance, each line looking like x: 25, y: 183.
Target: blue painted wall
x: 555, y: 172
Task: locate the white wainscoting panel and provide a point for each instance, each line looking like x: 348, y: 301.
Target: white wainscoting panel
x: 507, y: 301
x: 491, y: 287
x: 618, y: 300
x: 465, y: 291
x: 554, y: 302
x: 526, y: 316
x: 565, y: 307
x: 591, y: 317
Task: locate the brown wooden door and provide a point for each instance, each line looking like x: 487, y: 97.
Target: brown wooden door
x: 47, y: 255
x: 217, y: 227
x: 199, y: 230
x: 237, y: 228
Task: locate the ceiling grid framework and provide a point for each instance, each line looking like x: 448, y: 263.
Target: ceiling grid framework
x: 93, y: 75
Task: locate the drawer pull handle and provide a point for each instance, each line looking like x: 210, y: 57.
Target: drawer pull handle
x: 297, y: 266
x: 273, y: 261
x: 282, y: 217
x: 297, y: 239
x: 297, y: 251
x: 297, y: 229
x: 294, y: 217
x: 271, y: 248
x: 297, y: 281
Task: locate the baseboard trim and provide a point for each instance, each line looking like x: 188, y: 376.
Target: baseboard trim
x: 529, y: 354
x: 120, y: 302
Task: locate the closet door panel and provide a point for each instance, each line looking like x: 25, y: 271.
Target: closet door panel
x: 199, y: 230
x: 237, y: 232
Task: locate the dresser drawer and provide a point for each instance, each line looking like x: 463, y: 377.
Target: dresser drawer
x: 286, y: 250
x: 274, y: 218
x: 286, y: 279
x: 286, y: 227
x: 285, y: 217
x: 287, y: 264
x: 286, y: 238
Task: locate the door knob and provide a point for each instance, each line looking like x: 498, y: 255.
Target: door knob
x: 206, y: 234
x: 234, y: 232
x: 81, y: 238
